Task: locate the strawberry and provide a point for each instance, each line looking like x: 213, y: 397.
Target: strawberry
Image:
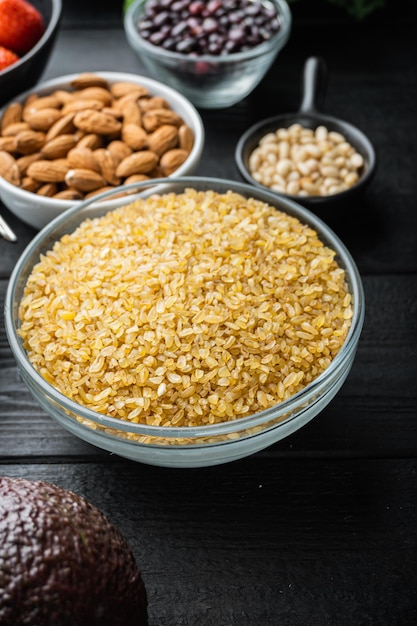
x: 7, y: 57
x: 21, y: 25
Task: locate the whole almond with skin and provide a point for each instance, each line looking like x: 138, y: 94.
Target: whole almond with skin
x: 107, y: 166
x: 24, y: 161
x: 15, y: 128
x: 163, y: 138
x: 69, y: 194
x: 171, y: 160
x: 121, y: 88
x: 137, y: 163
x: 41, y: 119
x: 44, y: 102
x: 186, y: 138
x: 8, y: 144
x: 28, y: 141
x: 155, y: 118
x: 88, y: 79
x: 119, y: 151
x: 29, y: 184
x: 135, y: 178
x: 58, y: 147
x: 156, y: 102
x: 64, y: 96
x: 9, y: 169
x: 74, y: 106
x: 11, y: 115
x: 134, y: 136
x: 97, y: 122
x: 84, y: 180
x: 95, y: 192
x: 131, y: 112
x: 64, y: 126
x: 48, y: 190
x: 96, y: 93
x: 92, y: 141
x: 83, y: 158
x: 48, y: 171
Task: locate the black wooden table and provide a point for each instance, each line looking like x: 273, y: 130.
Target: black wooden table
x: 321, y: 528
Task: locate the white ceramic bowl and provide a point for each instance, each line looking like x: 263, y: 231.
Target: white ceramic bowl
x: 38, y: 210
x: 206, y: 445
x: 209, y: 81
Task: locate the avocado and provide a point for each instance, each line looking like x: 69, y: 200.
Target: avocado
x: 62, y: 563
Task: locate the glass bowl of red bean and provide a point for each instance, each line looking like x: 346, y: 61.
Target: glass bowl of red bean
x: 216, y: 52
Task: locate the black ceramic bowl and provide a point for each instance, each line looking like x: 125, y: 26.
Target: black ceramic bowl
x: 309, y: 115
x: 26, y: 72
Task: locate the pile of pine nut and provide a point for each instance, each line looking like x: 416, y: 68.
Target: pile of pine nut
x: 301, y: 161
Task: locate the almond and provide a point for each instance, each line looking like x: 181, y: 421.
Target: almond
x: 9, y: 168
x: 68, y: 194
x: 172, y: 160
x: 42, y: 119
x: 30, y: 184
x: 88, y: 79
x: 63, y: 96
x: 91, y: 140
x: 136, y: 178
x: 137, y: 163
x: 48, y: 171
x: 107, y: 166
x: 131, y: 112
x: 44, y: 102
x: 11, y: 115
x: 64, y: 126
x: 97, y: 122
x: 134, y: 136
x: 58, y: 147
x: 122, y: 88
x: 8, y: 144
x: 163, y: 138
x: 81, y: 105
x: 83, y: 158
x: 28, y: 141
x: 15, y: 128
x: 157, y: 102
x: 48, y: 189
x: 119, y: 151
x: 96, y: 93
x: 95, y: 192
x: 186, y: 138
x: 24, y: 161
x: 157, y: 117
x: 84, y: 180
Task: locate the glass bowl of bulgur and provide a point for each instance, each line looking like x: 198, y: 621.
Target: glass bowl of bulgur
x: 199, y: 322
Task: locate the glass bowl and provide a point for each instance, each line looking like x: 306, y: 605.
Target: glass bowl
x: 209, y: 81
x: 185, y: 446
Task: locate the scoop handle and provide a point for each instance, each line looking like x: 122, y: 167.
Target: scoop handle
x: 314, y: 84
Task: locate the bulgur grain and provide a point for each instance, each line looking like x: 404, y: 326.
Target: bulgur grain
x: 185, y: 310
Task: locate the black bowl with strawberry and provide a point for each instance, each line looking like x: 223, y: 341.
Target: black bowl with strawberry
x: 27, y: 34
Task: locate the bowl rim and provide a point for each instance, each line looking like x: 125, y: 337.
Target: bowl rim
x: 284, y: 408
x: 49, y: 30
x: 169, y: 92
x: 278, y: 40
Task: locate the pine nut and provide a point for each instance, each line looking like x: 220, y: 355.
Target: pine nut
x: 303, y: 161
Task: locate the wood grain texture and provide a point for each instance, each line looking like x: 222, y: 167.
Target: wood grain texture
x: 263, y: 541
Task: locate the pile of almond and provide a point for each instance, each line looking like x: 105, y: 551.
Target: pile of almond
x: 95, y: 136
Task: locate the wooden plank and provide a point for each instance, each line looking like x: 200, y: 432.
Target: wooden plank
x: 263, y: 541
